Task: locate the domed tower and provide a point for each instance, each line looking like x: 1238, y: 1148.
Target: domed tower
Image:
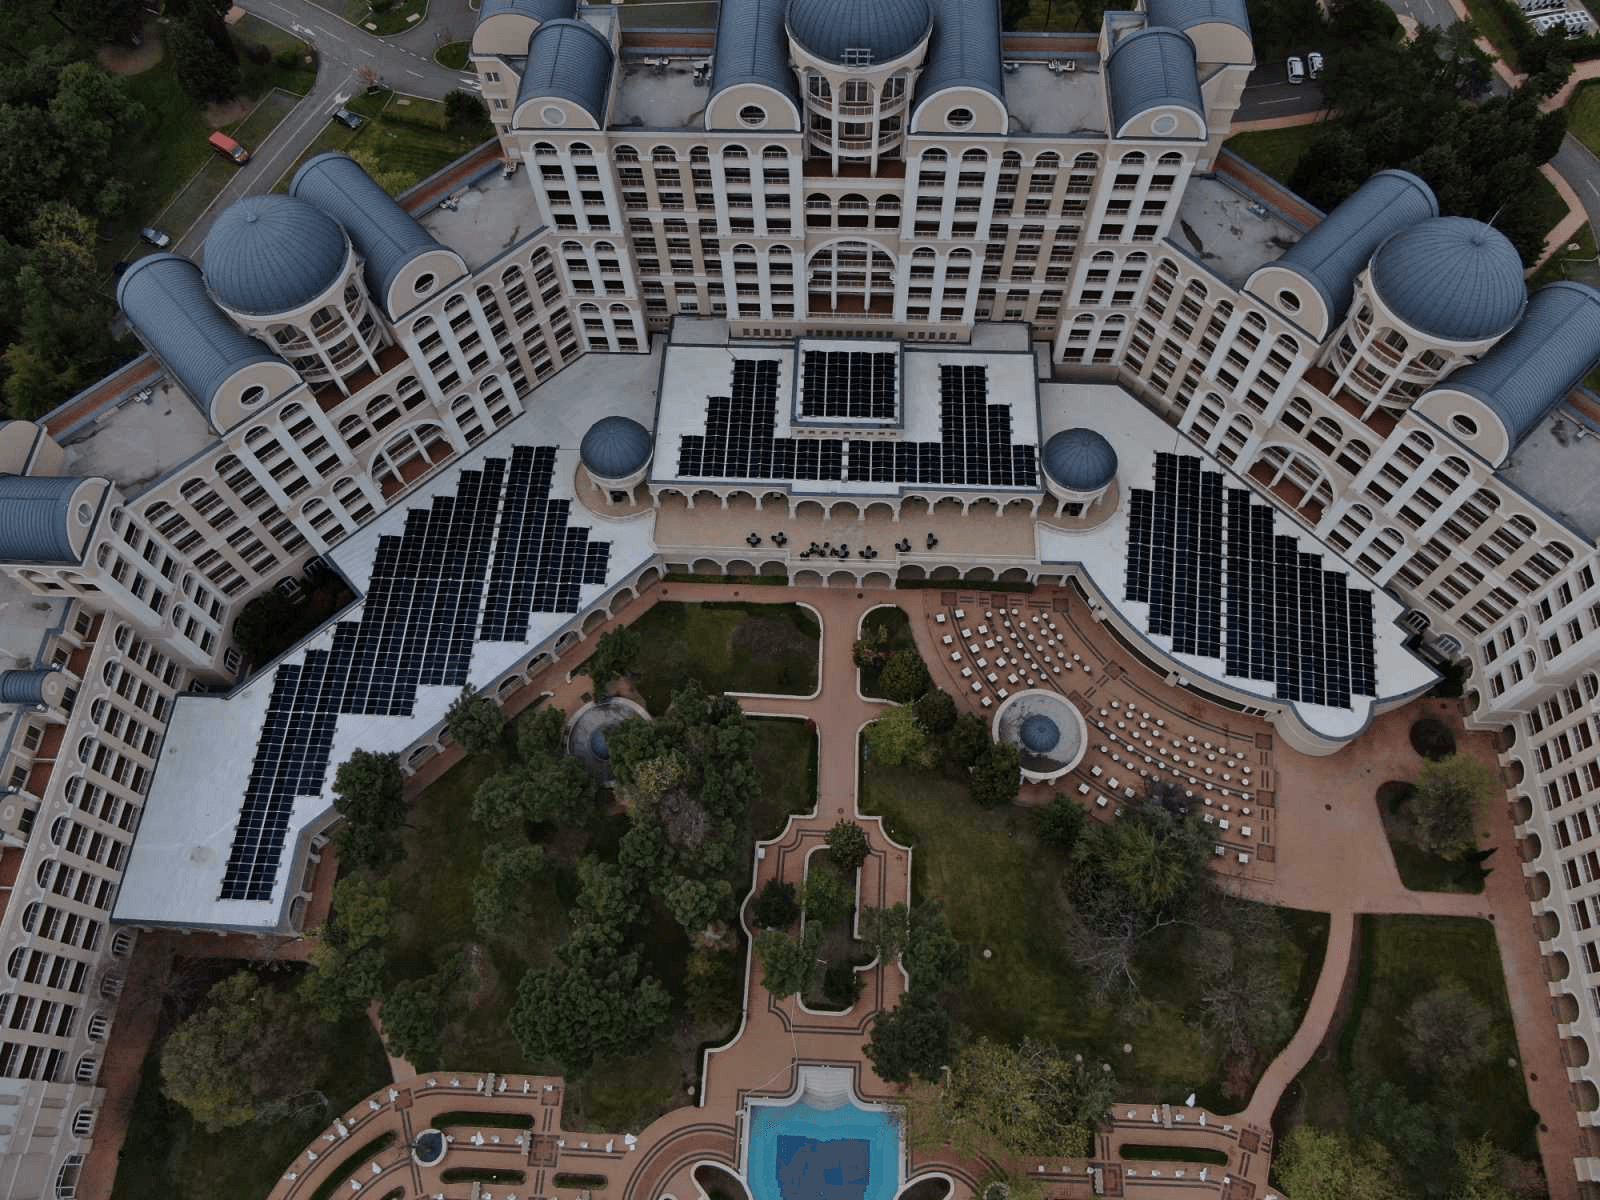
x: 1434, y: 297
x: 615, y: 454
x: 858, y: 62
x: 285, y: 271
x: 1080, y: 471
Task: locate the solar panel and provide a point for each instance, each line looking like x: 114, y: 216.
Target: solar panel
x: 975, y: 446
x: 472, y: 566
x: 1287, y: 621
x: 852, y: 384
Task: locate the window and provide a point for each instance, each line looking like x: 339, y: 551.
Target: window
x: 1288, y: 301
x: 959, y: 118
x: 753, y: 115
x: 1464, y: 425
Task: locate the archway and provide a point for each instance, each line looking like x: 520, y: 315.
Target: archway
x: 844, y: 579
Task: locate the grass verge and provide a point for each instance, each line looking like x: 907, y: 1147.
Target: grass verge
x: 404, y: 140
x: 1491, y: 21
x: 1575, y: 260
x: 732, y: 647
x: 453, y: 55
x: 1275, y: 152
x: 1547, y: 203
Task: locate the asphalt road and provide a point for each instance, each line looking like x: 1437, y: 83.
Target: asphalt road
x: 403, y: 62
x: 1281, y: 99
x: 1426, y: 12
x: 1582, y: 170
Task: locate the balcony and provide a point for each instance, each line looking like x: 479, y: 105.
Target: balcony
x: 820, y: 304
x: 1379, y: 421
x: 329, y: 397
x: 818, y: 167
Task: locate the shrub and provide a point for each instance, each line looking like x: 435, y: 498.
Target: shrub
x: 1432, y: 738
x: 847, y: 845
x: 288, y: 58
x: 1060, y: 822
x: 936, y: 712
x: 904, y: 677
x: 776, y: 906
x: 257, y: 628
x: 841, y: 985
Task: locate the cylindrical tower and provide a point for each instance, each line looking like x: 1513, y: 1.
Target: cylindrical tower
x: 857, y: 61
x: 286, y: 272
x: 1434, y: 297
x: 1080, y: 471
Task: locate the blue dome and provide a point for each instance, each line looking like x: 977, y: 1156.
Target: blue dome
x: 271, y: 254
x: 1452, y: 278
x: 1039, y: 734
x: 885, y: 29
x: 597, y: 745
x: 615, y: 447
x: 1080, y: 460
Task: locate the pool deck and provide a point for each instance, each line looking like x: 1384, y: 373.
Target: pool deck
x: 777, y: 1036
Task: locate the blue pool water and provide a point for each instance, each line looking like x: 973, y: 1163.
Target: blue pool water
x: 802, y: 1153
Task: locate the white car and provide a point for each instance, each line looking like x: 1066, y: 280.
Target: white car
x: 1314, y: 62
x: 1297, y: 70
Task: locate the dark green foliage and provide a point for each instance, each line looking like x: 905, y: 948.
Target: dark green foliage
x: 912, y: 1039
x: 1060, y: 822
x: 1443, y: 813
x: 540, y: 734
x: 904, y: 677
x: 969, y: 738
x: 788, y: 962
x: 347, y: 956
x: 936, y: 712
x: 841, y: 985
x: 1424, y: 105
x: 560, y: 791
x: 411, y: 1018
x: 776, y: 906
x: 1432, y: 738
x: 827, y: 898
x: 500, y: 892
x: 208, y: 70
x: 475, y: 722
x: 696, y: 904
x: 614, y: 656
x: 847, y: 845
x: 255, y: 629
x: 368, y: 793
x: 931, y: 956
x: 713, y: 983
x: 463, y: 110
x: 997, y: 775
x: 1279, y: 27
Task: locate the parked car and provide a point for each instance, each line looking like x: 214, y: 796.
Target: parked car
x: 228, y: 148
x: 1314, y: 64
x: 159, y: 238
x: 348, y: 119
x: 1297, y: 69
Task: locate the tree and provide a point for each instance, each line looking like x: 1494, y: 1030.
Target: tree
x: 788, y: 962
x: 614, y: 656
x: 713, y: 983
x: 1011, y: 1101
x: 1444, y: 811
x: 463, y: 110
x: 936, y: 712
x: 884, y: 931
x: 1243, y: 1000
x: 475, y: 722
x: 1060, y: 822
x: 500, y: 891
x: 867, y: 650
x: 560, y: 791
x: 258, y: 629
x: 913, y: 1039
x: 904, y: 677
x: 969, y: 738
x: 1323, y: 1164
x: 847, y: 845
x: 598, y: 1008
x: 697, y: 903
x: 204, y: 71
x: 369, y: 794
x: 997, y: 775
x: 828, y: 899
x: 540, y: 734
x: 932, y: 957
x: 896, y: 739
x: 410, y: 1019
x: 250, y: 1046
x: 347, y: 953
x: 1448, y: 1032
x: 776, y: 906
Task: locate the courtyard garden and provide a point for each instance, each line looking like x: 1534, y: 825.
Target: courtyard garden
x: 885, y: 633
x: 1419, y: 1078
x: 1433, y: 820
x: 733, y: 647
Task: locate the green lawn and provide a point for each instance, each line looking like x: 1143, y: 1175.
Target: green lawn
x: 395, y: 18
x: 1570, y: 263
x: 166, y: 1155
x: 892, y: 623
x: 1401, y: 958
x: 453, y: 55
x: 257, y: 79
x: 1275, y: 152
x: 1001, y: 892
x: 786, y: 760
x: 1419, y: 870
x: 1492, y: 22
x: 405, y: 138
x: 733, y: 647
x: 1583, y: 114
x: 1548, y: 203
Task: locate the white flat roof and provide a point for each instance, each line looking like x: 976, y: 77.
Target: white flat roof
x: 1138, y: 435
x: 181, y: 852
x: 695, y: 372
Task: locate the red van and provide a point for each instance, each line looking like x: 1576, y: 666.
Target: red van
x: 228, y: 148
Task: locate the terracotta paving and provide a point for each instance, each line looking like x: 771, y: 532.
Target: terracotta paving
x: 1330, y: 855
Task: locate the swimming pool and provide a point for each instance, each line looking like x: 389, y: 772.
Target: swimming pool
x: 798, y: 1152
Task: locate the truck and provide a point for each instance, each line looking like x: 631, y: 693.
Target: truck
x: 228, y: 148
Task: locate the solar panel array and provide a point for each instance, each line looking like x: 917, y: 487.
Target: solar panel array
x: 1287, y: 621
x: 857, y: 384
x: 473, y: 566
x: 974, y: 446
